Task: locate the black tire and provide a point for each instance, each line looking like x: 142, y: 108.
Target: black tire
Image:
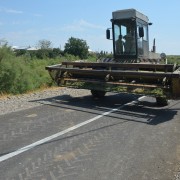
x: 161, y: 101
x: 98, y: 94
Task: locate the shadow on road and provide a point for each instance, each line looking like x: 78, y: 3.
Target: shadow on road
x: 143, y: 111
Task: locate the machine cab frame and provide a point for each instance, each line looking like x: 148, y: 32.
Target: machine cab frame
x: 130, y: 34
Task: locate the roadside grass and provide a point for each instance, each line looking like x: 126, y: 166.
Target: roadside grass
x: 173, y: 59
x: 24, y: 74
x: 45, y: 88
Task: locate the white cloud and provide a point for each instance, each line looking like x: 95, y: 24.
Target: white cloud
x: 16, y: 22
x: 37, y: 15
x: 73, y: 27
x: 86, y: 24
x: 81, y: 25
x: 24, y: 22
x: 11, y: 11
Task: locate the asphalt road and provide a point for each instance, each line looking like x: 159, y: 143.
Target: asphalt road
x: 117, y: 138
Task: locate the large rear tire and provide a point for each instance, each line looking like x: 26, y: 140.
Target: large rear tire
x: 161, y: 101
x: 98, y: 94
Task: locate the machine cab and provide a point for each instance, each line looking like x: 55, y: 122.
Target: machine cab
x: 130, y: 34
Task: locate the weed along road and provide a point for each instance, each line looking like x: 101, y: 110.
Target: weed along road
x: 119, y: 137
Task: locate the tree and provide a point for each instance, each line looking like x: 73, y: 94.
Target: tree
x: 5, y: 52
x: 76, y: 47
x: 57, y: 52
x: 3, y: 42
x: 44, y: 44
x: 42, y: 53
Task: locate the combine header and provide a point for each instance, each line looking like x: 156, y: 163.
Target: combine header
x: 133, y: 69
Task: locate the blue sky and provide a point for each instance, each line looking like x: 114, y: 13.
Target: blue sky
x: 25, y: 22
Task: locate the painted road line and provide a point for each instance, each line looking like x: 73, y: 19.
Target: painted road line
x: 49, y: 138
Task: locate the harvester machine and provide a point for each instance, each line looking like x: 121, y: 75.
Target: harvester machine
x: 133, y: 69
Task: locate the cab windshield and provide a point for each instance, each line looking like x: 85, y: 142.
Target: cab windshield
x: 124, y: 38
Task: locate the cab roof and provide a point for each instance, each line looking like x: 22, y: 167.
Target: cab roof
x: 129, y: 14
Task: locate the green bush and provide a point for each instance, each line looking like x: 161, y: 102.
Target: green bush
x: 5, y: 53
x: 22, y: 74
x: 26, y: 72
x: 16, y: 77
x: 173, y: 59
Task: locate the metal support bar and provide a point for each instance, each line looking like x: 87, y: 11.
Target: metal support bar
x: 176, y: 87
x: 116, y: 83
x: 118, y: 73
x: 153, y: 67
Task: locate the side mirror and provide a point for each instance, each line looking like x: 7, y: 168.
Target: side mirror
x: 141, y: 32
x: 108, y: 34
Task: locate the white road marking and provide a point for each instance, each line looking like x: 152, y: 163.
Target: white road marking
x: 49, y: 138
x: 31, y: 115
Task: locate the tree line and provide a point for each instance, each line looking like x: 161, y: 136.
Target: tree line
x: 74, y: 46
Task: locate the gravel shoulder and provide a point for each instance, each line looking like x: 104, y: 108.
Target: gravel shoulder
x: 15, y: 103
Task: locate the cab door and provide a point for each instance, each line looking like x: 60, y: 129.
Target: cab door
x: 142, y: 41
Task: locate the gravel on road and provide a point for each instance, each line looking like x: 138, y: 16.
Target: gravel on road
x: 15, y: 103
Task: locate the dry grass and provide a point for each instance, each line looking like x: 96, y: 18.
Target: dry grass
x: 45, y: 88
